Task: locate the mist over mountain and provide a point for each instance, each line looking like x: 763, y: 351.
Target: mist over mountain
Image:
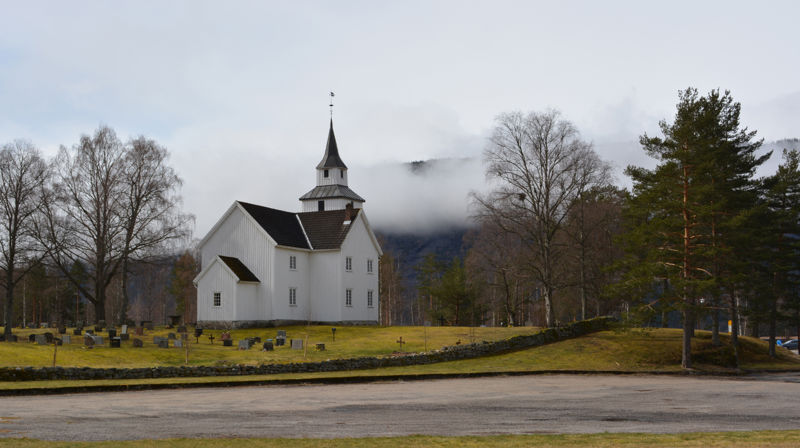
x: 422, y: 197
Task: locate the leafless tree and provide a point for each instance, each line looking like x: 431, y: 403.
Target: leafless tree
x: 23, y: 173
x: 84, y: 222
x: 152, y: 215
x: 539, y: 166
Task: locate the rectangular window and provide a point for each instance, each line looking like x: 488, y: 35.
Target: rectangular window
x: 369, y: 266
x: 217, y: 299
x: 348, y: 264
x: 325, y: 173
x: 292, y: 262
x: 320, y: 206
x: 348, y: 297
x: 292, y: 296
x: 369, y: 298
x: 341, y: 174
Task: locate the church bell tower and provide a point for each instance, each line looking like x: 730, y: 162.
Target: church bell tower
x: 331, y: 192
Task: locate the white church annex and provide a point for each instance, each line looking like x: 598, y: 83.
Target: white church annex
x: 263, y: 267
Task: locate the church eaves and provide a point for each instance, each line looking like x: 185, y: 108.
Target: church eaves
x: 331, y: 158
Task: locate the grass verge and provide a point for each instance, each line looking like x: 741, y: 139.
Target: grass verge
x: 753, y: 439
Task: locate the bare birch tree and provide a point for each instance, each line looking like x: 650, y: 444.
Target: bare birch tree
x: 23, y: 173
x: 540, y: 166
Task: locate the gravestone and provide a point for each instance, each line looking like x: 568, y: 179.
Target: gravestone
x: 125, y: 336
x: 66, y: 339
x: 77, y: 332
x: 137, y: 343
x: 227, y: 343
x: 244, y: 344
x: 88, y: 341
x: 112, y: 333
x: 279, y: 341
x: 62, y: 330
x: 282, y: 334
x: 57, y: 341
x: 267, y: 347
x: 98, y: 328
x: 182, y: 329
x: 297, y: 344
x: 138, y: 331
x: 163, y: 343
x: 2, y: 337
x: 89, y: 331
x: 98, y: 340
x: 321, y: 347
x: 198, y: 332
x: 124, y: 330
x: 157, y: 340
x: 116, y: 342
x: 177, y: 343
x: 41, y: 339
x: 32, y: 338
x: 49, y: 337
x: 149, y: 326
x: 171, y: 336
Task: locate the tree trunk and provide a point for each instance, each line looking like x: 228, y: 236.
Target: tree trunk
x: 734, y: 329
x: 9, y: 309
x: 715, y: 322
x: 773, y: 317
x: 686, y: 355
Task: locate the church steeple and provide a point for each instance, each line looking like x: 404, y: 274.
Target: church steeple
x: 331, y: 158
x: 331, y: 192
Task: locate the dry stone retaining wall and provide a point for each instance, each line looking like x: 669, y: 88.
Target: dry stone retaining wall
x: 452, y: 353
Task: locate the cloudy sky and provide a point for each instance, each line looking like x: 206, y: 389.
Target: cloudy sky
x: 238, y: 90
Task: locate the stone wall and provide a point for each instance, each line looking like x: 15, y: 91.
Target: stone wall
x: 452, y: 353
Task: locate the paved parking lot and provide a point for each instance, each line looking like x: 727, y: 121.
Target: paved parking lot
x: 497, y: 405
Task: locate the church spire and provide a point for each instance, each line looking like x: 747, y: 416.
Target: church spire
x: 331, y: 158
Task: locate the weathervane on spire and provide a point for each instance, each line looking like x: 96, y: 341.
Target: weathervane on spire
x: 331, y: 105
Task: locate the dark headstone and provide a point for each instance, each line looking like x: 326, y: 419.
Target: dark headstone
x: 163, y: 343
x: 257, y: 340
x: 49, y: 337
x: 280, y: 341
x: 227, y: 342
x: 2, y: 338
x: 32, y: 338
x: 62, y: 330
x: 112, y: 333
x: 321, y: 347
x: 77, y: 332
x: 57, y: 341
x: 182, y: 329
x: 116, y: 342
x: 125, y: 336
x: 268, y: 347
x: 89, y: 331
x: 137, y: 343
x: 88, y: 341
x: 198, y: 332
x: 139, y: 331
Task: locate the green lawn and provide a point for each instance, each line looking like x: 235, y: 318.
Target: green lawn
x: 631, y: 351
x: 754, y: 439
x: 352, y: 341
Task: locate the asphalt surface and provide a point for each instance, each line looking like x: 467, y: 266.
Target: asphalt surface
x: 477, y: 406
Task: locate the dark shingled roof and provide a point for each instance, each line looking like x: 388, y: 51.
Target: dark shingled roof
x: 238, y: 268
x: 331, y: 191
x: 331, y: 158
x: 326, y: 230
x: 280, y: 225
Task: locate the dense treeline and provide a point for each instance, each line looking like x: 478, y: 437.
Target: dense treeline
x: 77, y: 230
x: 699, y: 238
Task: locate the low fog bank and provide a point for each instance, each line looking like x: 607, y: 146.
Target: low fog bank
x: 419, y: 197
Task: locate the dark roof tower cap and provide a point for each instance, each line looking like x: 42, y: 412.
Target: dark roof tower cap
x: 331, y: 158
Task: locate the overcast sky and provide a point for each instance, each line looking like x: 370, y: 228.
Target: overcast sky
x: 237, y: 91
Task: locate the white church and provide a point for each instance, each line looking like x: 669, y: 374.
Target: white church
x: 265, y: 267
